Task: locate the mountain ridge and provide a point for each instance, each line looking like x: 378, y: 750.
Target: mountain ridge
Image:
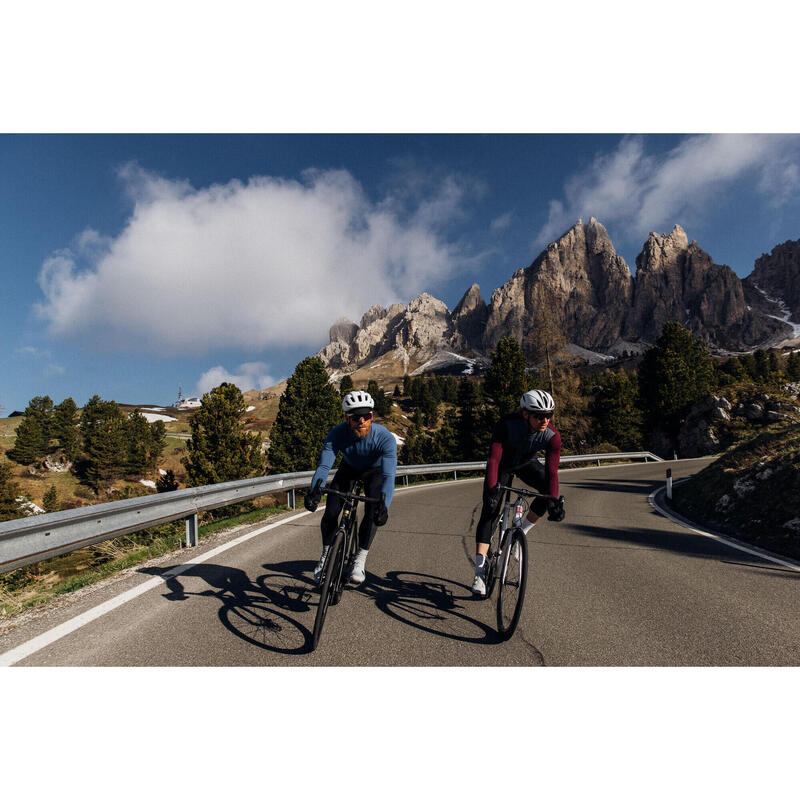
x: 594, y: 299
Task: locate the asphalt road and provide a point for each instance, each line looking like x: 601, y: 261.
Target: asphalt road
x: 615, y: 584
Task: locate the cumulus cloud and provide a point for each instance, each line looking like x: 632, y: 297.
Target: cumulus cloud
x: 251, y: 375
x: 269, y: 262
x: 639, y: 193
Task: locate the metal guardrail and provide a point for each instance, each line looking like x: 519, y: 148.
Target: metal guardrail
x: 30, y: 539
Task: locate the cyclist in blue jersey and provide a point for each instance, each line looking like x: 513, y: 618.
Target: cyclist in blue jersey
x: 369, y: 454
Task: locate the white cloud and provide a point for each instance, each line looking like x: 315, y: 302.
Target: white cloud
x: 269, y: 262
x: 640, y: 193
x: 251, y: 375
x: 501, y: 223
x: 28, y: 351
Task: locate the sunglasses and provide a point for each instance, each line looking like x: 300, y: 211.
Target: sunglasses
x: 359, y: 417
x: 541, y: 414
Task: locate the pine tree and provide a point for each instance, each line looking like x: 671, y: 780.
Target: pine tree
x: 65, y: 428
x: 345, y: 385
x: 474, y: 426
x: 407, y: 385
x: 418, y: 446
x: 30, y: 443
x: 220, y: 449
x: 33, y: 434
x: 9, y: 491
x: 445, y: 441
x: 145, y: 443
x: 383, y: 405
x: 793, y: 366
x: 103, y: 430
x: 673, y: 375
x: 430, y: 403
x: 506, y: 380
x: 308, y: 409
x: 616, y: 407
x: 397, y: 392
x: 50, y: 500
x: 166, y: 482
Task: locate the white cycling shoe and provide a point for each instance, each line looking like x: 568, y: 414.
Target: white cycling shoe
x: 320, y: 566
x: 356, y: 573
x: 479, y: 584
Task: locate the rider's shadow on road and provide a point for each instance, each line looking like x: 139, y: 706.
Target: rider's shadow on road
x: 429, y: 603
x: 262, y: 611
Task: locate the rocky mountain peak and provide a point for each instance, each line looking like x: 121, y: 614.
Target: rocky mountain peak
x: 663, y: 251
x: 427, y: 304
x: 343, y: 330
x: 580, y: 278
x: 469, y: 320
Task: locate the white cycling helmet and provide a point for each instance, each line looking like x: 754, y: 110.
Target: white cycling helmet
x: 357, y: 401
x: 537, y: 400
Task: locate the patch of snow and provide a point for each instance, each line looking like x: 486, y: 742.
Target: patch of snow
x: 398, y: 439
x: 29, y: 506
x: 155, y: 408
x: 588, y: 355
x: 404, y: 416
x: 783, y: 308
x: 445, y: 358
x: 155, y: 417
x: 162, y: 471
x: 151, y: 484
x: 250, y: 408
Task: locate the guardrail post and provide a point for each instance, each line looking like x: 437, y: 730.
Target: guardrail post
x: 290, y: 498
x: 191, y: 531
x: 669, y: 484
x: 598, y: 462
x: 405, y: 480
x: 455, y: 474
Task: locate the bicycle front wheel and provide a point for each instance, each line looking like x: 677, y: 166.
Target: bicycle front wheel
x: 513, y: 577
x: 331, y: 579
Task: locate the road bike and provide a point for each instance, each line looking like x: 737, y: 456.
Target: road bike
x: 342, y: 550
x: 507, y: 560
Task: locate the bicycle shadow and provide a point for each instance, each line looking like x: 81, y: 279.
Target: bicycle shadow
x: 262, y: 612
x: 429, y: 603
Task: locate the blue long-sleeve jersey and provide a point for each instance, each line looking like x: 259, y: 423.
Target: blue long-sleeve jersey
x: 377, y: 448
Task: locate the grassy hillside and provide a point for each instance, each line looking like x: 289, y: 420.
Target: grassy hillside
x: 752, y: 492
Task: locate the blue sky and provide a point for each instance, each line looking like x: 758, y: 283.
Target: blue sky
x: 133, y: 264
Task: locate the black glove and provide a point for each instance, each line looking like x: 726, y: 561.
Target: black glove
x: 555, y: 509
x: 312, y: 498
x: 495, y: 493
x: 381, y: 514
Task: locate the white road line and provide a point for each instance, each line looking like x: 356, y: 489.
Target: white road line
x: 28, y: 648
x: 753, y: 551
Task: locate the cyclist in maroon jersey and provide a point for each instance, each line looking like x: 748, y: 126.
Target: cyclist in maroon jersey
x: 516, y: 440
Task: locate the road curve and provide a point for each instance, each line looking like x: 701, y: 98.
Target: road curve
x: 615, y: 584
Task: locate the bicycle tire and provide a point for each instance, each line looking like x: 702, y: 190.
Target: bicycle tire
x: 513, y: 579
x: 330, y: 579
x: 491, y: 564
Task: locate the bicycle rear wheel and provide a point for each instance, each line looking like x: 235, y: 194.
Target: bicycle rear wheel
x: 330, y: 582
x: 513, y: 577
